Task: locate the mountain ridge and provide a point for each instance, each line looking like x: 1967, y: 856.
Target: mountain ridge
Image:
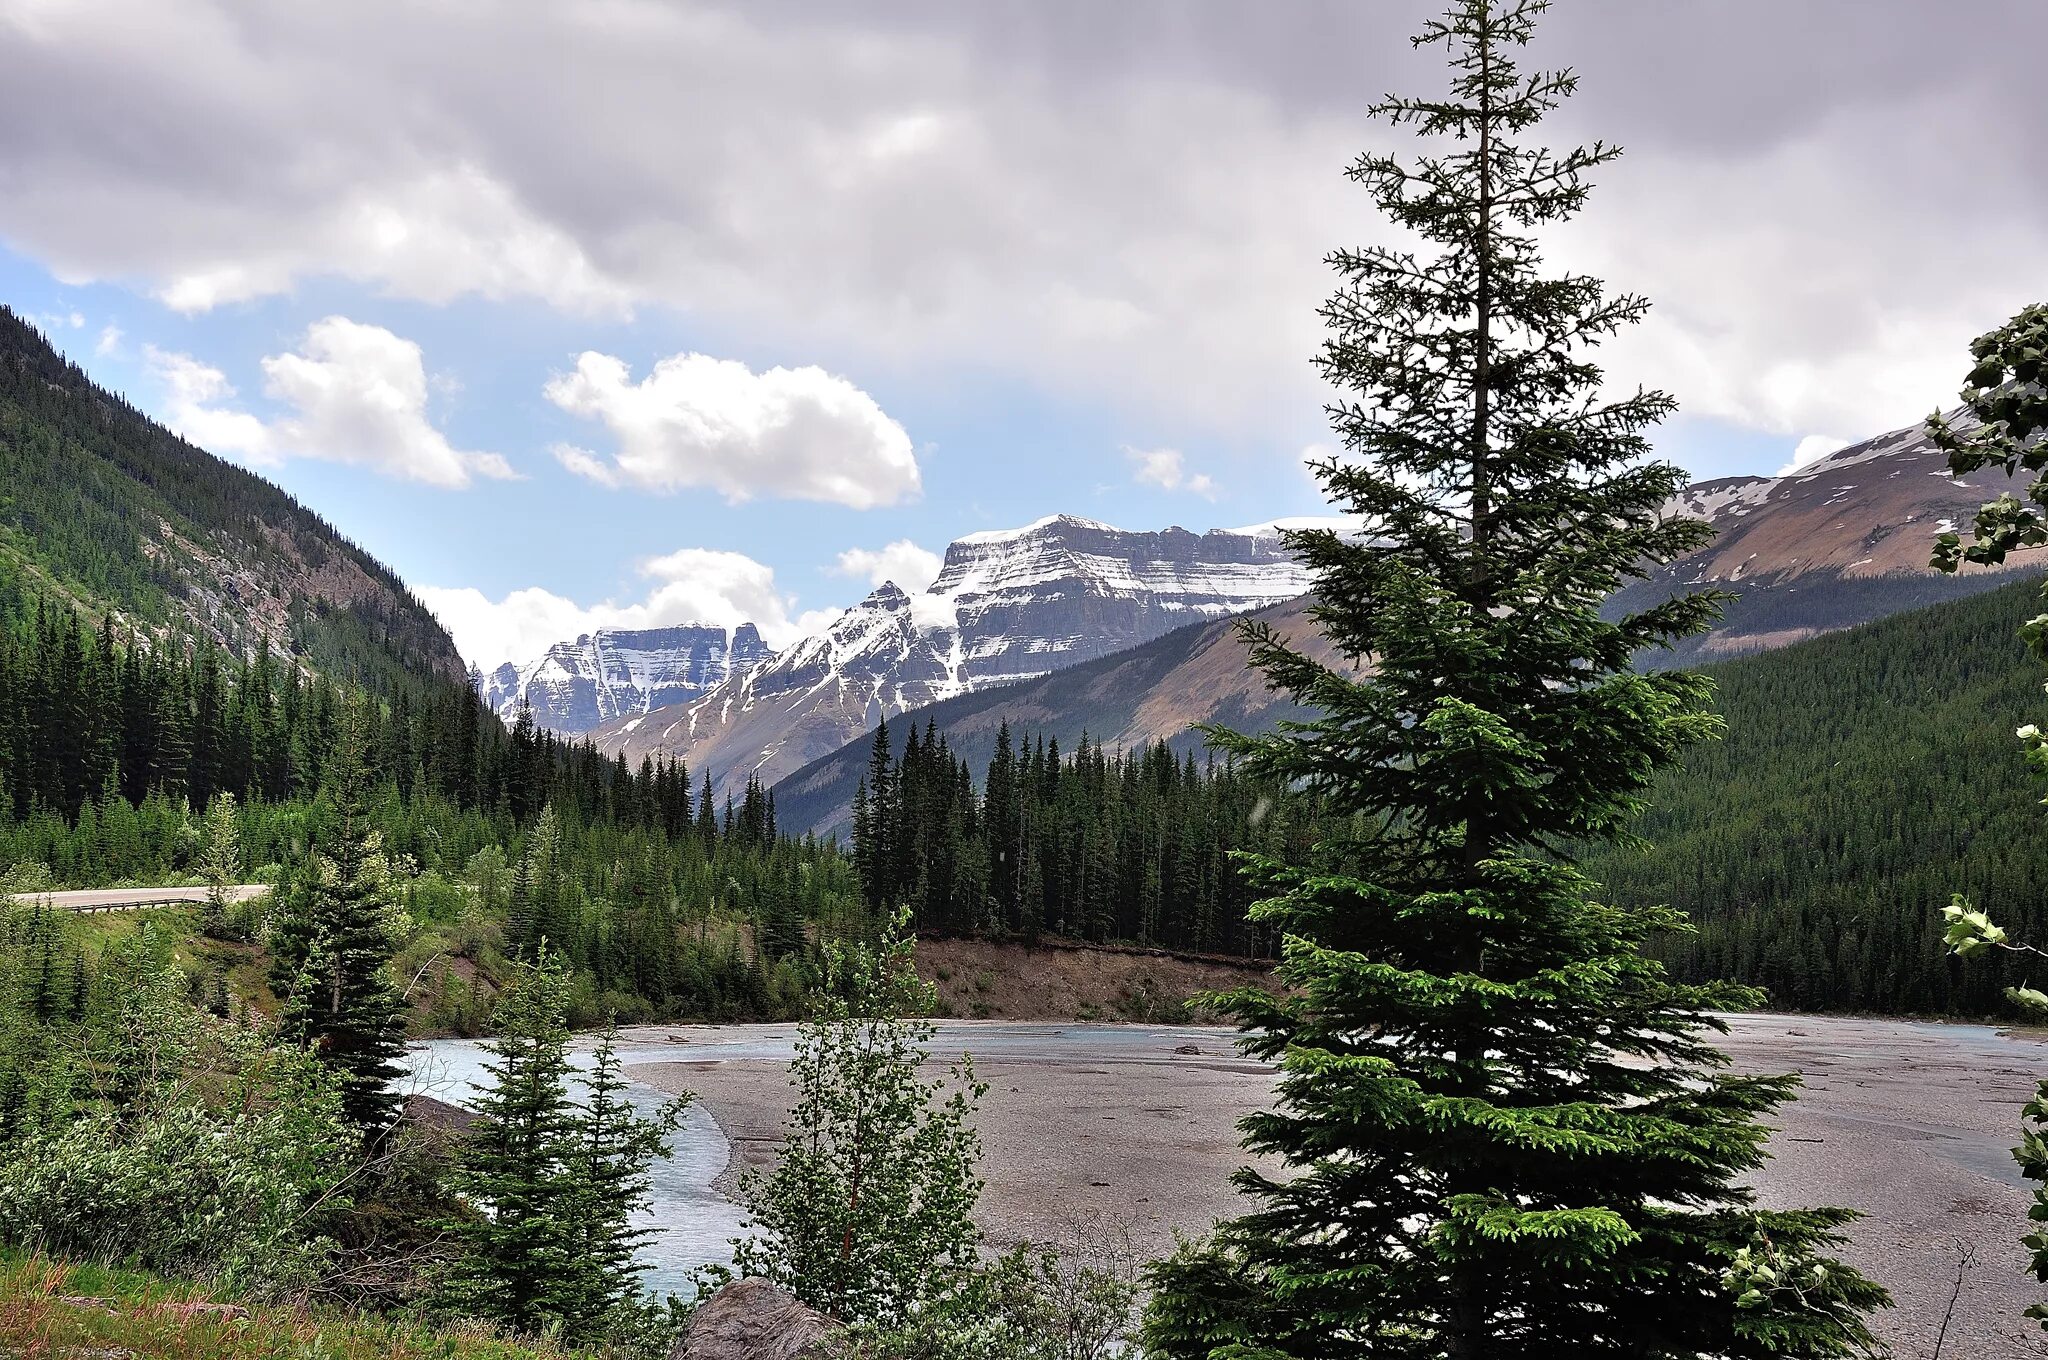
x: 1008, y: 605
x: 113, y: 514
x: 612, y: 673
x: 1874, y: 565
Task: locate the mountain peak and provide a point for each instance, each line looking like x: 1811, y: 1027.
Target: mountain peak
x: 609, y: 673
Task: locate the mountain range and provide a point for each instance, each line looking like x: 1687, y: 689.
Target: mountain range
x: 1836, y: 542
x: 621, y: 672
x: 1007, y: 606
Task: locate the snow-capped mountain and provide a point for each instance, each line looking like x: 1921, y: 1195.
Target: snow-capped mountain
x: 1836, y: 542
x: 1006, y: 606
x: 618, y: 672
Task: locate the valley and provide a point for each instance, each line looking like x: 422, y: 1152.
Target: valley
x: 615, y: 743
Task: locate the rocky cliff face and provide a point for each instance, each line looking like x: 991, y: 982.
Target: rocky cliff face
x: 1007, y: 606
x: 616, y: 673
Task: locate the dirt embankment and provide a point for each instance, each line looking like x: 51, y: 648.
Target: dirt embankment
x: 978, y: 980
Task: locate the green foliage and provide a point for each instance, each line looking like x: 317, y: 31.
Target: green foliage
x: 2005, y: 398
x: 2006, y: 394
x: 220, y: 861
x: 341, y: 1001
x: 868, y: 1213
x: 1033, y: 1303
x: 141, y: 1128
x: 1505, y: 1132
x: 553, y: 1185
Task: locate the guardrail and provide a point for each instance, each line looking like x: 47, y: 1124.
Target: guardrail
x: 86, y: 901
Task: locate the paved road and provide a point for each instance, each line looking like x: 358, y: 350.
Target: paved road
x: 114, y: 899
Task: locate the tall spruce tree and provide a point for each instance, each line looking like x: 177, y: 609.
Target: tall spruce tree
x: 516, y: 1260
x: 1508, y: 1135
x: 554, y: 1184
x: 611, y: 1147
x: 343, y: 1001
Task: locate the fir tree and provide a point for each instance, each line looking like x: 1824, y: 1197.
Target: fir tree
x: 342, y: 1001
x: 611, y: 1147
x: 554, y: 1185
x: 1506, y: 1133
x: 515, y: 1260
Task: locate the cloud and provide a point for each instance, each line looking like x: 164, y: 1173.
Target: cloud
x: 193, y: 392
x: 903, y: 562
x: 1125, y: 204
x: 696, y: 421
x: 357, y: 394
x: 109, y: 342
x: 1167, y: 470
x: 690, y: 585
x: 1812, y: 447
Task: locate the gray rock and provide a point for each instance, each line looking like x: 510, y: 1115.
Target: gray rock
x: 754, y: 1320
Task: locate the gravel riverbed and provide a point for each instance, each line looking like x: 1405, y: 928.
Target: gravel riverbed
x: 1118, y: 1127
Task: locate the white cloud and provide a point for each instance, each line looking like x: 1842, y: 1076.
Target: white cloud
x: 357, y: 394
x: 691, y: 585
x: 1812, y: 447
x: 696, y: 421
x: 903, y: 562
x: 193, y: 392
x: 1167, y: 470
x: 109, y: 342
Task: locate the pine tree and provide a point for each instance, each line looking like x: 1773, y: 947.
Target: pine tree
x: 611, y: 1147
x: 1507, y: 1134
x: 515, y: 1260
x: 342, y: 1001
x: 220, y: 861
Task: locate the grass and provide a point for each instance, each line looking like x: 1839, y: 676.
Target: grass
x: 115, y: 1314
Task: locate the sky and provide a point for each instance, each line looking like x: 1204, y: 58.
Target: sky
x: 633, y: 312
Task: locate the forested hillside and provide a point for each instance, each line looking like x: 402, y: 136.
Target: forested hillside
x: 1131, y: 846
x: 106, y: 509
x: 1815, y: 845
x: 1159, y: 692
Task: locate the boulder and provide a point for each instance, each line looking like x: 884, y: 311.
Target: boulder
x: 752, y: 1319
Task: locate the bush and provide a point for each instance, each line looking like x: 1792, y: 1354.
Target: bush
x: 231, y: 1194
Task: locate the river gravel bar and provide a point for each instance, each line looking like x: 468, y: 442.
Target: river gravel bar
x: 1130, y: 1130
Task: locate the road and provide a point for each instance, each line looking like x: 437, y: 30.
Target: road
x: 120, y: 899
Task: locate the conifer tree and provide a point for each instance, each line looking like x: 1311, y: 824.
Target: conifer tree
x: 515, y: 1258
x: 1505, y: 1132
x: 611, y: 1147
x: 220, y: 861
x: 555, y: 1184
x: 343, y: 1002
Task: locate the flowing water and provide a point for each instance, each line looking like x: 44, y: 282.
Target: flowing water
x: 693, y: 1224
